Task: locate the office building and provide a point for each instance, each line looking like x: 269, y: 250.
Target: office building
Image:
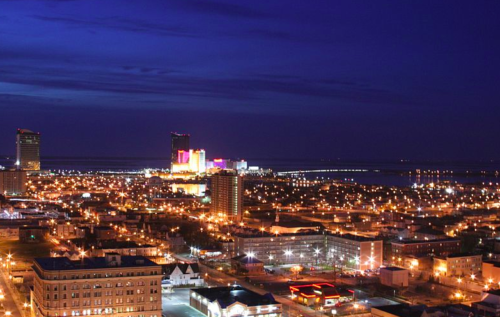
x: 28, y: 150
x: 113, y: 285
x: 233, y: 301
x: 180, y: 142
x: 227, y: 195
x: 13, y: 182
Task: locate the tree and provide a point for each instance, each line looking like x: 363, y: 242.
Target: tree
x: 296, y: 269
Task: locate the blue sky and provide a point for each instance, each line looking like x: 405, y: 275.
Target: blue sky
x: 349, y: 79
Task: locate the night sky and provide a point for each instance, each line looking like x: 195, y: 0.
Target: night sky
x: 253, y: 79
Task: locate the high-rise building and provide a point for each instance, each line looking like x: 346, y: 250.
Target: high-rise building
x: 28, y: 150
x: 197, y: 163
x: 227, y: 195
x: 12, y: 182
x: 114, y: 285
x: 179, y: 142
x: 182, y: 156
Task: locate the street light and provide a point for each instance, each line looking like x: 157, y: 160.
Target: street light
x: 317, y: 252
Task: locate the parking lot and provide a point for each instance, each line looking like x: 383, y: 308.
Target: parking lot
x: 176, y: 304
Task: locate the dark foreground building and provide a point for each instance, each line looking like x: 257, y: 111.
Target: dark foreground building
x: 233, y: 301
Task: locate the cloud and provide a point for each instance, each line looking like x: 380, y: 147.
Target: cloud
x: 220, y: 8
x: 147, y: 81
x: 7, y: 98
x: 120, y: 24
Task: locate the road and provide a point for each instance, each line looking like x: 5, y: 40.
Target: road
x: 10, y: 302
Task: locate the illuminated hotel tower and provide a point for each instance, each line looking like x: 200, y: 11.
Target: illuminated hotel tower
x: 227, y: 195
x: 28, y: 150
x: 180, y: 142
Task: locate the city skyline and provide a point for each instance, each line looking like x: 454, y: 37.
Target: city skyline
x: 217, y: 158
x: 350, y: 80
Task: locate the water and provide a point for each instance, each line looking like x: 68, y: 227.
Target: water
x: 383, y: 172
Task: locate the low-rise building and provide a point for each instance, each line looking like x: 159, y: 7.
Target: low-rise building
x: 394, y: 276
x: 233, y: 301
x: 33, y: 233
x: 249, y: 265
x: 489, y: 304
x: 458, y: 264
x: 320, y: 294
x: 427, y: 233
x: 178, y: 274
x: 355, y: 251
x: 129, y: 248
x: 287, y: 248
x: 104, y: 233
x: 491, y: 270
x: 352, y: 251
x: 113, y: 285
x: 9, y: 232
x: 425, y: 247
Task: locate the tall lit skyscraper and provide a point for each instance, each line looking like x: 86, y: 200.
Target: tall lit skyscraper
x: 197, y: 161
x: 28, y: 150
x: 227, y: 195
x: 179, y: 142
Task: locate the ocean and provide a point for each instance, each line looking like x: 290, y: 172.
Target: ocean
x: 383, y: 172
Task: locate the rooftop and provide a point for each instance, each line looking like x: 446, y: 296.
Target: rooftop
x: 430, y: 231
x: 353, y: 237
x: 461, y: 255
x: 402, y: 310
x: 424, y: 241
x: 392, y: 268
x: 63, y: 263
x: 229, y: 295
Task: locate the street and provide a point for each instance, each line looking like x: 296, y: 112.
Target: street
x: 10, y: 302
